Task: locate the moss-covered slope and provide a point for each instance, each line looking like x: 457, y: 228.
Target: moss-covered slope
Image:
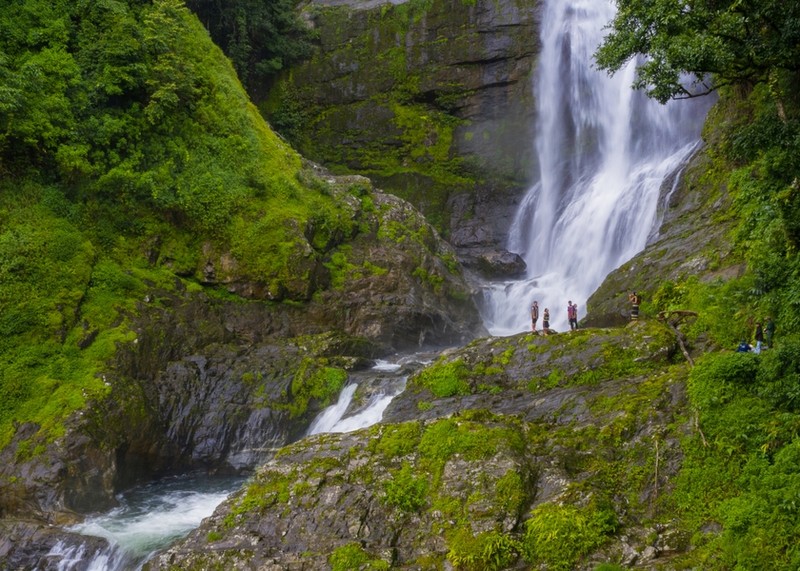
x: 138, y: 183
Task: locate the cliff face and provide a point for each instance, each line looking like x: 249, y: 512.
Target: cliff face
x: 432, y: 100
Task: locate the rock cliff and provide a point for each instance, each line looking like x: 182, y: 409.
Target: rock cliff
x: 432, y: 100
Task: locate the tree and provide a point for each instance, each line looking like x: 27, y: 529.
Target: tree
x: 260, y: 37
x: 692, y: 47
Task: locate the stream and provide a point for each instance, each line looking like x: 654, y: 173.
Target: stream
x: 153, y: 516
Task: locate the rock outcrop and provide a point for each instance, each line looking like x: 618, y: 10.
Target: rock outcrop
x: 218, y: 381
x: 432, y: 100
x: 692, y: 240
x: 484, y: 445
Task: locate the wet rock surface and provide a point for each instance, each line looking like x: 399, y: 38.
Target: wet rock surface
x: 437, y: 469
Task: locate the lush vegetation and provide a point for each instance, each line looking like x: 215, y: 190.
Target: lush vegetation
x: 741, y: 467
x: 129, y: 156
x: 260, y: 37
x: 735, y: 42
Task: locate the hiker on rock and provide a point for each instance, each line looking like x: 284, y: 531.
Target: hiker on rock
x: 546, y: 321
x: 635, y: 300
x: 534, y: 315
x: 572, y: 315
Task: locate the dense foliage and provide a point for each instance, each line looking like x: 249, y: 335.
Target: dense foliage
x: 129, y: 153
x: 741, y: 468
x: 735, y: 41
x: 260, y: 36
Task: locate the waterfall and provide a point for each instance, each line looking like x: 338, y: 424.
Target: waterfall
x: 603, y: 152
x: 149, y: 518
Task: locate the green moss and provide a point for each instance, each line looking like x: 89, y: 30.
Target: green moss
x: 512, y: 493
x: 405, y: 490
x: 444, y: 378
x: 397, y: 440
x: 314, y: 380
x: 352, y: 556
x: 268, y: 489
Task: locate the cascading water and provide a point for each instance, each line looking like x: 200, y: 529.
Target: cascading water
x: 603, y: 152
x: 153, y: 516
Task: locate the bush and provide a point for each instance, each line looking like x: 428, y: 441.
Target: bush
x: 779, y: 375
x: 351, y: 556
x: 406, y: 491
x: 717, y: 377
x: 559, y: 535
x: 488, y: 551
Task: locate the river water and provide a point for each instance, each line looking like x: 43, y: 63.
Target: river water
x: 153, y: 516
x: 604, y: 152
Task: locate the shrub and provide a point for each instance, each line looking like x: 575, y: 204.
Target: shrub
x: 559, y: 535
x: 778, y: 376
x: 406, y: 491
x: 351, y: 556
x: 488, y: 551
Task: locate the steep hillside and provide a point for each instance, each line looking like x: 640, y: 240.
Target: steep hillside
x: 151, y: 221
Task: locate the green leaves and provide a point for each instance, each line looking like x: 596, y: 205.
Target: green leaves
x: 734, y: 41
x: 261, y: 38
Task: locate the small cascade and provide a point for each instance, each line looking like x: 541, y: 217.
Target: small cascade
x: 335, y: 418
x: 152, y: 517
x: 604, y: 151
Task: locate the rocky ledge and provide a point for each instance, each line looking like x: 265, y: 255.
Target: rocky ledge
x: 491, y: 456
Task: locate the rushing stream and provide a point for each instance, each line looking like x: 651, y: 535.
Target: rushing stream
x: 153, y: 516
x: 604, y: 152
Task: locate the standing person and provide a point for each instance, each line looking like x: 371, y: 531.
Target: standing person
x: 546, y: 321
x: 572, y: 315
x: 759, y: 337
x: 634, y: 298
x: 534, y: 315
x: 769, y: 330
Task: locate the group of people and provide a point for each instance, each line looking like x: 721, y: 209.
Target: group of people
x: 762, y: 335
x: 572, y: 316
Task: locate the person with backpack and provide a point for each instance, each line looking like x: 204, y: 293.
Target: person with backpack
x: 534, y: 315
x: 572, y: 315
x: 769, y: 331
x: 546, y: 321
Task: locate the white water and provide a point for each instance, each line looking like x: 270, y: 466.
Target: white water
x: 151, y: 517
x: 603, y: 152
x: 148, y: 518
x: 334, y: 419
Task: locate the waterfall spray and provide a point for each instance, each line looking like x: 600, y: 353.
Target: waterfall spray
x: 603, y: 152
